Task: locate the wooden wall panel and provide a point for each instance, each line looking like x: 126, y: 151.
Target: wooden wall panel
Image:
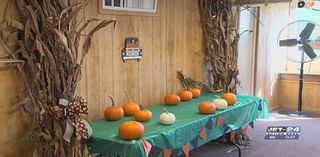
x: 14, y: 126
x: 171, y: 40
x: 288, y: 95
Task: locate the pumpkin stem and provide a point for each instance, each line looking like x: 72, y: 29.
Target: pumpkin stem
x: 173, y: 88
x: 141, y: 107
x: 128, y: 96
x: 217, y: 96
x: 111, y: 100
x: 165, y: 109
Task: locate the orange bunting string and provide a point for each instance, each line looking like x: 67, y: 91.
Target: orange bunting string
x: 219, y: 121
x: 167, y: 152
x: 202, y: 133
x: 185, y: 149
x: 146, y: 146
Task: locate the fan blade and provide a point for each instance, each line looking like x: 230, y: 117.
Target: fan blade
x: 309, y: 51
x: 288, y: 42
x: 306, y: 32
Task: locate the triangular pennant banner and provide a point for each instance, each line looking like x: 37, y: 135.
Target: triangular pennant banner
x: 194, y: 142
x: 251, y: 124
x: 146, y: 146
x: 185, y: 149
x: 245, y: 130
x: 202, y: 133
x: 219, y: 121
x: 167, y: 153
x: 260, y: 106
x: 225, y: 128
x: 155, y: 151
x: 232, y: 135
x: 209, y: 123
x: 175, y: 152
x: 239, y: 133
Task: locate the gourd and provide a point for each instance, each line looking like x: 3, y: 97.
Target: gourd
x: 113, y: 112
x: 172, y: 99
x: 143, y: 115
x: 167, y: 118
x: 131, y: 107
x: 185, y: 95
x: 196, y: 92
x: 230, y: 98
x: 220, y: 103
x: 207, y: 107
x: 131, y: 130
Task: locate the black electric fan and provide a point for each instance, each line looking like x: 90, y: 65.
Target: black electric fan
x: 299, y: 42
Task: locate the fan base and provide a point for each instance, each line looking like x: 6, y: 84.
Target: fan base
x: 301, y: 114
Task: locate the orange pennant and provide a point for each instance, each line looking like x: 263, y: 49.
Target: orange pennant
x: 219, y: 121
x: 146, y: 146
x: 232, y: 135
x: 202, y: 133
x: 167, y: 153
x: 185, y: 149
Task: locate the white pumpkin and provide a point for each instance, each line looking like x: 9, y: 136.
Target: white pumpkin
x: 220, y: 103
x: 167, y: 118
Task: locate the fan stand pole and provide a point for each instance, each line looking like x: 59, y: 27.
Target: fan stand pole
x: 300, y: 86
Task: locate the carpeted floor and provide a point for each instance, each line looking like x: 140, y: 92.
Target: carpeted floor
x: 306, y: 146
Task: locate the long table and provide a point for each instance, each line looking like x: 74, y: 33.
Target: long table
x: 184, y: 132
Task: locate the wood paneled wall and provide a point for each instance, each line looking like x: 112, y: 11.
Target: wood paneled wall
x: 171, y: 41
x: 13, y: 139
x: 288, y: 91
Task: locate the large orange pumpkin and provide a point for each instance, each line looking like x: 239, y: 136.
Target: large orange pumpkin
x: 196, y: 92
x: 230, y: 98
x: 207, y: 108
x: 143, y: 115
x: 112, y: 112
x: 131, y: 130
x: 185, y: 95
x: 171, y: 99
x: 131, y: 107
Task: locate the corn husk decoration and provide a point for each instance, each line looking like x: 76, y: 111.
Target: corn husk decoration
x: 220, y: 20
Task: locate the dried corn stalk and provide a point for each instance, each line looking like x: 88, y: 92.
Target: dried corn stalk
x: 49, y: 45
x: 219, y: 21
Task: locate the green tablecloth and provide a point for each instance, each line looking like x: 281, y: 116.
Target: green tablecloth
x: 186, y: 128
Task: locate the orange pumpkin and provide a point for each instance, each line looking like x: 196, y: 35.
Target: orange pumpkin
x: 171, y: 99
x: 143, y: 115
x: 131, y: 107
x: 196, y: 92
x: 131, y: 130
x: 207, y: 108
x: 112, y: 112
x: 185, y: 95
x: 230, y: 98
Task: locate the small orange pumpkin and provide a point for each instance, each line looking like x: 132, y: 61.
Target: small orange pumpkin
x: 112, y: 112
x: 230, y: 98
x: 171, y: 99
x: 185, y: 95
x: 131, y: 107
x: 131, y: 130
x: 196, y: 92
x: 207, y: 107
x: 143, y: 115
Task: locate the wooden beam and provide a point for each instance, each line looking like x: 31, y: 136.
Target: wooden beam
x: 254, y: 2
